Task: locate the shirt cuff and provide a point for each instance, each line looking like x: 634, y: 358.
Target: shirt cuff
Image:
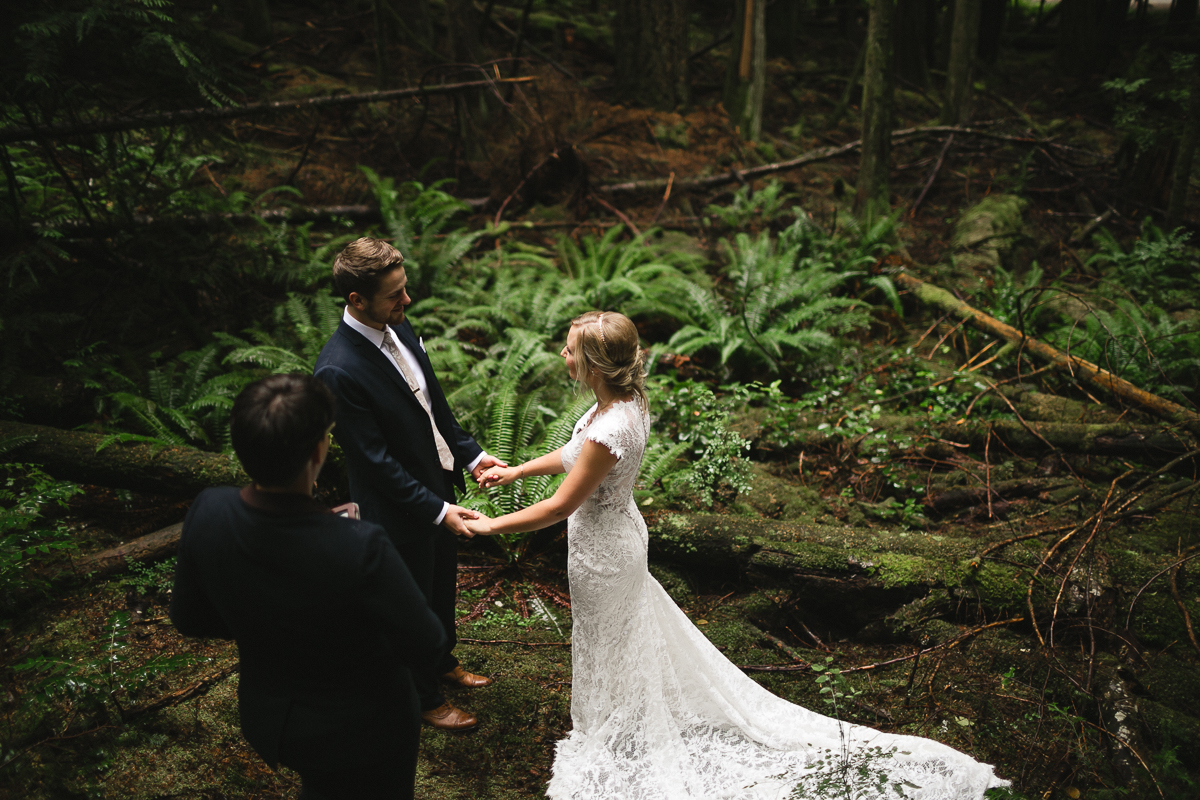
x: 475, y: 463
x: 442, y: 516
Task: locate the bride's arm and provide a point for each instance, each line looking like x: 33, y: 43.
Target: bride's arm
x: 595, y: 462
x: 549, y: 464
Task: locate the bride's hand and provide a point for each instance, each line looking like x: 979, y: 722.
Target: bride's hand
x: 480, y: 527
x: 500, y: 476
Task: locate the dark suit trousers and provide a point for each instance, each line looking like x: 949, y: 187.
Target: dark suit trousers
x: 434, y: 566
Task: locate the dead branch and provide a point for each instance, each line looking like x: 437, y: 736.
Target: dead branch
x: 936, y: 296
x: 811, y: 157
x: 932, y: 175
x: 196, y: 689
x: 514, y: 641
x: 189, y: 116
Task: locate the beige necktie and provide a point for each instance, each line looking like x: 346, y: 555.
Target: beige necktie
x: 443, y: 449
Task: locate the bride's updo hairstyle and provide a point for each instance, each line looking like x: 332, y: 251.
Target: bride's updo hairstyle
x: 610, y: 350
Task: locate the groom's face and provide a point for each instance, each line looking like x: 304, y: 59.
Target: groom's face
x: 387, y: 305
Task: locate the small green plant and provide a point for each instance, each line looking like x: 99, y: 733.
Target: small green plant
x: 82, y: 677
x: 153, y: 579
x: 26, y: 536
x: 1159, y: 267
x: 749, y: 206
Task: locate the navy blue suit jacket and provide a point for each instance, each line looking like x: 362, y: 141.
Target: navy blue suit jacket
x: 395, y: 474
x: 327, y: 620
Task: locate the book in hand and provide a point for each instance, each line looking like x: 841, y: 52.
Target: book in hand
x: 348, y: 510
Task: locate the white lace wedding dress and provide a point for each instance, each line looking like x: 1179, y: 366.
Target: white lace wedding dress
x: 660, y: 714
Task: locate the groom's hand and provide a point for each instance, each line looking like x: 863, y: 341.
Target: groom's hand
x: 456, y: 520
x: 486, y: 463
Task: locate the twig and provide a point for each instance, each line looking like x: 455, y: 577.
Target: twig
x: 932, y: 175
x: 196, y: 689
x: 1153, y: 578
x: 666, y: 197
x: 620, y: 215
x: 944, y: 645
x: 528, y: 175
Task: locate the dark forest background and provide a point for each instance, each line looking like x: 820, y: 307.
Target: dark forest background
x: 919, y: 282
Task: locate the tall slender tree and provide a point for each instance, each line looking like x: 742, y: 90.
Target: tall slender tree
x: 964, y: 38
x: 746, y: 76
x: 872, y: 198
x: 1184, y: 160
x: 651, y: 46
x: 256, y: 21
x: 915, y: 30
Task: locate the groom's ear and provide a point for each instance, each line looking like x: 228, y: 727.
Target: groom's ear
x: 357, y: 300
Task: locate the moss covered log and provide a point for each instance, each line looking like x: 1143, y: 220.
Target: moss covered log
x: 73, y: 456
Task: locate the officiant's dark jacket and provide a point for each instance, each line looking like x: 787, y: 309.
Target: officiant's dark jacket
x: 392, y: 461
x: 327, y: 621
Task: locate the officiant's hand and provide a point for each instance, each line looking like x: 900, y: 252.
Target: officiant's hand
x: 484, y: 464
x: 500, y: 476
x: 456, y: 520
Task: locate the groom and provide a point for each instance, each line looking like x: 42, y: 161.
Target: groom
x: 404, y: 450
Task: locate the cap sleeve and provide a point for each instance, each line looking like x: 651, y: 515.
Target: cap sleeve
x: 612, y: 432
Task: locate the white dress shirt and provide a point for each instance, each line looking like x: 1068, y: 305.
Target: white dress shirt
x: 375, y: 337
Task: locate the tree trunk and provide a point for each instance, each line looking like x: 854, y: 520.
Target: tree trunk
x: 745, y: 78
x: 783, y: 27
x: 381, y: 12
x: 964, y: 36
x: 71, y: 455
x: 462, y: 28
x: 991, y: 26
x: 151, y: 547
x: 650, y: 40
x: 1187, y: 154
x: 916, y: 28
x: 1081, y: 28
x: 418, y: 19
x: 872, y: 199
x: 1183, y: 10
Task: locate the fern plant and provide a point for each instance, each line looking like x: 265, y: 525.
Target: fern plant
x: 420, y: 221
x: 1141, y: 344
x: 1159, y: 267
x: 301, y: 327
x: 633, y: 276
x: 186, y: 402
x: 783, y: 310
x: 748, y: 207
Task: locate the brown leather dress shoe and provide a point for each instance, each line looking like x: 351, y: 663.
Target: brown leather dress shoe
x: 449, y: 718
x: 463, y: 678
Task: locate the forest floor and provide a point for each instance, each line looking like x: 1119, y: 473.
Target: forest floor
x: 815, y: 565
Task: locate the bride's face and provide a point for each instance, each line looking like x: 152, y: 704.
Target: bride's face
x: 568, y: 352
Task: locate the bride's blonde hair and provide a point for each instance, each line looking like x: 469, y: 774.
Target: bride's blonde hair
x: 609, y: 349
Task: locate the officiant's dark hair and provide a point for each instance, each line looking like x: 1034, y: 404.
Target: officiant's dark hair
x: 275, y: 424
x: 361, y: 265
x: 610, y: 349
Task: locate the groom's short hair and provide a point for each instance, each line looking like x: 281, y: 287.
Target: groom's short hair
x: 361, y: 264
x: 276, y: 423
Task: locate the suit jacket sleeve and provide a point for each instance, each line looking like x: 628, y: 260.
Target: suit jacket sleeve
x: 358, y: 433
x: 392, y: 596
x: 191, y: 611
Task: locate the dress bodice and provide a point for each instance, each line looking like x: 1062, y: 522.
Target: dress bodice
x: 623, y: 428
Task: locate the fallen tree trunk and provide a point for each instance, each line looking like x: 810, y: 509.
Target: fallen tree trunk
x: 192, y: 115
x: 1097, y: 376
x: 71, y: 455
x: 151, y: 547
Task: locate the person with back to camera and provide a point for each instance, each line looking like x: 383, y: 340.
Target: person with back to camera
x: 405, y: 452
x: 327, y: 619
x: 658, y: 713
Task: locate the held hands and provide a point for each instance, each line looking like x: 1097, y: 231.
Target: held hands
x: 456, y: 520
x: 482, y: 526
x: 500, y: 476
x: 484, y: 464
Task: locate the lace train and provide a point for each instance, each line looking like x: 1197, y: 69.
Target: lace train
x: 660, y: 714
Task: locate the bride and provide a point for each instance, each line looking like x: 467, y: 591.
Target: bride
x: 658, y: 712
